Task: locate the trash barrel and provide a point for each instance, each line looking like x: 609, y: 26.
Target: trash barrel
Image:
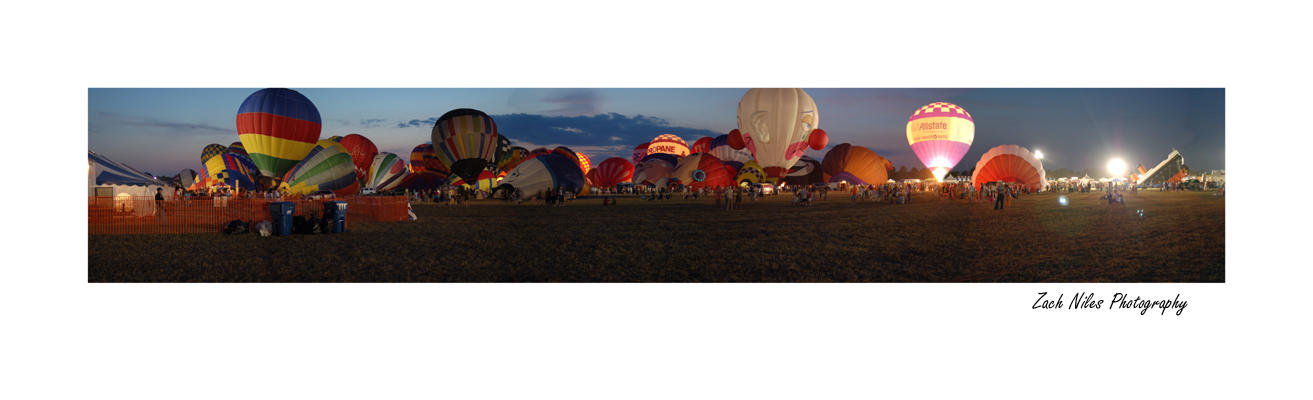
x: 282, y: 211
x: 335, y: 215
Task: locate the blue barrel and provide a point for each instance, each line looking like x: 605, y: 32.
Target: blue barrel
x: 282, y: 211
x: 335, y: 215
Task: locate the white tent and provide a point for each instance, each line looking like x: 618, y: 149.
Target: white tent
x: 131, y: 189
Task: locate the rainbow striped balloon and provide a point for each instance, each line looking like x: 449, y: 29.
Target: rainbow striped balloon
x: 327, y: 167
x: 387, y: 171
x: 465, y: 141
x: 278, y: 128
x: 940, y: 134
x: 236, y: 147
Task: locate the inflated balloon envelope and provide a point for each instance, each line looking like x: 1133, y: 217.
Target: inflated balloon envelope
x: 465, y: 141
x: 703, y: 170
x: 940, y: 134
x: 362, y: 152
x: 278, y: 128
x: 543, y: 173
x: 611, y: 172
x: 327, y: 167
x: 387, y: 172
x: 777, y: 126
x: 639, y: 152
x: 730, y: 155
x: 655, y: 169
x: 1009, y: 163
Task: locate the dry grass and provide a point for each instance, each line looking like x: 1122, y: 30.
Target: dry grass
x: 1180, y: 238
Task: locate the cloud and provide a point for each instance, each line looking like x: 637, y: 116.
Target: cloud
x: 372, y: 122
x: 418, y: 122
x: 102, y: 120
x: 573, y: 102
x: 569, y: 129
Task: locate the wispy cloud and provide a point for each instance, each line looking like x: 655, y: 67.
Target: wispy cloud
x: 573, y: 102
x: 418, y: 122
x: 569, y: 129
x: 102, y: 120
x: 372, y: 122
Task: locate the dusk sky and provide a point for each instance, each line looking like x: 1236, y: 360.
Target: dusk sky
x: 163, y: 130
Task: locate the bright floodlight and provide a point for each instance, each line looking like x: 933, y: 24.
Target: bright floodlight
x: 1039, y: 155
x: 1116, y: 167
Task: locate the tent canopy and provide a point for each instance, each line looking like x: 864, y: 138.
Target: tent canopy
x: 107, y: 172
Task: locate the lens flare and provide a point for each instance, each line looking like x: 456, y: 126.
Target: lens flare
x: 1062, y: 201
x: 1116, y: 167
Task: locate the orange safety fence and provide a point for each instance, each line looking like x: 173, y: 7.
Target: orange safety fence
x: 142, y: 214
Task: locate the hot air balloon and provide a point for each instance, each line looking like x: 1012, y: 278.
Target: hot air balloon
x: 202, y: 179
x: 728, y: 154
x: 335, y: 139
x: 186, y: 177
x: 502, y: 153
x: 387, y: 171
x: 750, y: 173
x: 856, y: 165
x: 326, y: 168
x: 585, y: 164
x: 655, y: 169
x: 701, y: 145
x: 278, y: 128
x: 513, y: 158
x: 639, y: 152
x: 703, y: 170
x: 487, y: 181
x: 427, y: 171
x: 668, y: 144
x: 806, y: 172
x: 238, y: 171
x: 543, y: 173
x: 777, y: 126
x: 1009, y: 163
x: 940, y: 134
x: 565, y: 151
x: 465, y: 140
x: 210, y: 160
x: 236, y: 147
x: 362, y: 152
x: 611, y: 172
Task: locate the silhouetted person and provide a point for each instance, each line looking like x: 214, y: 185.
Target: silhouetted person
x: 1001, y: 193
x: 159, y: 206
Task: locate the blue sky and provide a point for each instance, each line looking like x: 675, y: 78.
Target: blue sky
x: 163, y: 130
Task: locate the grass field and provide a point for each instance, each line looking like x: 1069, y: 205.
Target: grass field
x: 1179, y: 238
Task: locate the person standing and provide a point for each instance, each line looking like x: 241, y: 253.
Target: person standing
x: 999, y: 196
x: 159, y: 206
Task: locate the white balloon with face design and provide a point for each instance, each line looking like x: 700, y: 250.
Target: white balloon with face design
x: 775, y: 124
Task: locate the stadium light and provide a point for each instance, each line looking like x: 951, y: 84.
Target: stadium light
x: 1116, y: 167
